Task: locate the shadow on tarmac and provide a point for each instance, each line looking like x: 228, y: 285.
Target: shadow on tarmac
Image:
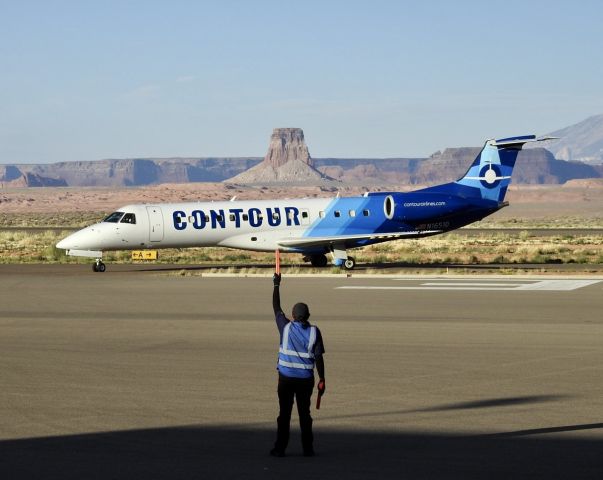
x: 224, y: 452
x: 488, y: 403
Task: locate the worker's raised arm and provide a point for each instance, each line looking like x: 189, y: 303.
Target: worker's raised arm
x: 276, y: 296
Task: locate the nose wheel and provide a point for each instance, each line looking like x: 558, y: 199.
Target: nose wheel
x: 341, y: 258
x: 98, y: 266
x: 349, y: 263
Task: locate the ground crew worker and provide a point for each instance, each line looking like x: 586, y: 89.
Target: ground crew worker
x: 301, y: 348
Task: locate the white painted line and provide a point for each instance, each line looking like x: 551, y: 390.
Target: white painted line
x: 465, y: 284
x: 424, y: 288
x: 552, y: 285
x: 542, y: 285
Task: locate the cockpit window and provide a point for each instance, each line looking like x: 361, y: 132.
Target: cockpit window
x: 114, y: 217
x: 129, y: 218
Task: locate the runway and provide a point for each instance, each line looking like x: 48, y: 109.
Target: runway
x: 156, y: 375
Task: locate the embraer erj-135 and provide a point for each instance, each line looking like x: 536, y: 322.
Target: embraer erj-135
x: 312, y: 227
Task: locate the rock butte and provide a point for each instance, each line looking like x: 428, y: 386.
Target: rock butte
x: 287, y: 161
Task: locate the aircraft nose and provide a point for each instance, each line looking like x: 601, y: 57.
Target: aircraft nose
x: 86, y: 239
x: 66, y: 243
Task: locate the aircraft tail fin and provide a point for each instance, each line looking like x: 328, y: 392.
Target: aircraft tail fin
x: 489, y: 175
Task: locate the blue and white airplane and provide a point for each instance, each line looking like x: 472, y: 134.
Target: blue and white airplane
x: 312, y: 227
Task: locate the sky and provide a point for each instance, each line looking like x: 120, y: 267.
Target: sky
x: 88, y: 80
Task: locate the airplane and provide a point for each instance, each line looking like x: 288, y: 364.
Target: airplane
x: 312, y: 227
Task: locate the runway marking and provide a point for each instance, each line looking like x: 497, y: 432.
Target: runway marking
x: 552, y: 285
x: 540, y: 285
x: 481, y: 284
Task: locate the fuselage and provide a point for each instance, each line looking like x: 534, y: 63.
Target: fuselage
x: 264, y: 225
x: 313, y: 227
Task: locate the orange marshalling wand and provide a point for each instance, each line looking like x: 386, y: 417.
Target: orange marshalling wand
x: 278, y: 262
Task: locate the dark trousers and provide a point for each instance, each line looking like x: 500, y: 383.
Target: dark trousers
x: 300, y: 389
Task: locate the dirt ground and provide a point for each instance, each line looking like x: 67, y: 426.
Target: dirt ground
x: 582, y: 199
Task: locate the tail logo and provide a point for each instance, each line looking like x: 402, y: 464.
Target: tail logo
x: 490, y: 176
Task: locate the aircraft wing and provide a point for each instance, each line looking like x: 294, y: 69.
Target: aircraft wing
x: 301, y: 242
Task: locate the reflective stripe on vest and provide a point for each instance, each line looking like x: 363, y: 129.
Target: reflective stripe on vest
x: 303, y: 358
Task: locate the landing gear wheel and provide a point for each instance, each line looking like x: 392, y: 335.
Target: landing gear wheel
x: 349, y: 263
x: 319, y: 260
x: 99, y: 266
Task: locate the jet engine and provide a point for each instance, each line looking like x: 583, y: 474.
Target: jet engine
x: 411, y: 208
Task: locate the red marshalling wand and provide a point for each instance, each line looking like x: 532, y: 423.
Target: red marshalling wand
x: 321, y: 390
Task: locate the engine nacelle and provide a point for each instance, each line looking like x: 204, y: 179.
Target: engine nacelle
x: 409, y: 207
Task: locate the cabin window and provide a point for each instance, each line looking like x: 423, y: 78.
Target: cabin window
x: 254, y: 239
x: 276, y: 217
x: 321, y: 214
x: 304, y: 214
x: 114, y: 217
x: 232, y: 217
x: 337, y: 213
x: 129, y: 218
x: 352, y: 213
x: 366, y: 213
x: 245, y: 217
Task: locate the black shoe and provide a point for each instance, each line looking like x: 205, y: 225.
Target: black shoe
x: 275, y: 452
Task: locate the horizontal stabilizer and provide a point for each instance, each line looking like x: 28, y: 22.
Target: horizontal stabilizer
x: 519, y: 141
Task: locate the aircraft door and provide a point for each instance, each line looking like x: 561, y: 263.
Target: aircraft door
x: 155, y: 224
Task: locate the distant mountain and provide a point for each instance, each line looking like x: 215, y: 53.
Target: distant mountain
x: 14, y: 177
x: 534, y: 166
x: 369, y: 171
x: 125, y: 172
x: 288, y: 161
x: 582, y: 142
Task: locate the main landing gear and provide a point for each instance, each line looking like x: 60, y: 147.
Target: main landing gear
x: 321, y: 261
x: 98, y: 266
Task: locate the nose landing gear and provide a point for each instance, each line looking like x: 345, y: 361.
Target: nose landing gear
x: 349, y: 263
x: 98, y: 266
x: 340, y: 255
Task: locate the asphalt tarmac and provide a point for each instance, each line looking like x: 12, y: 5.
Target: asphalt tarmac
x: 149, y: 374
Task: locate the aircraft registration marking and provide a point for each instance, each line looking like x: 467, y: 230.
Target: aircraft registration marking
x: 539, y: 285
